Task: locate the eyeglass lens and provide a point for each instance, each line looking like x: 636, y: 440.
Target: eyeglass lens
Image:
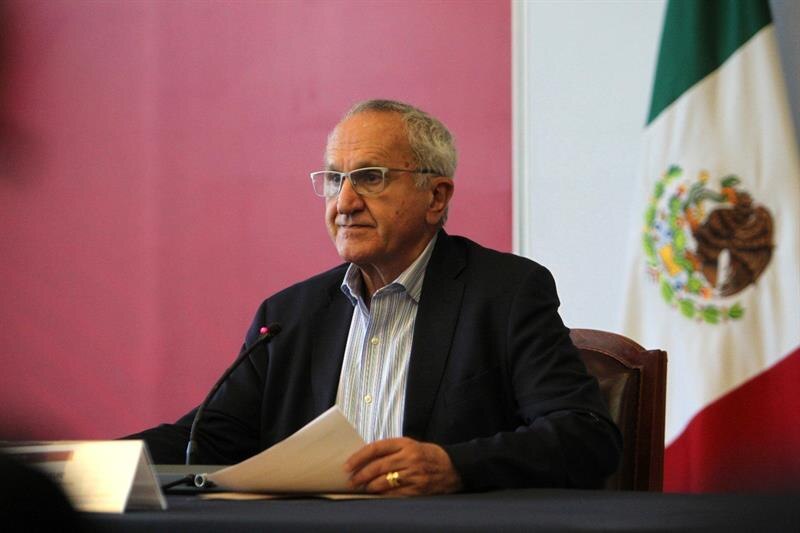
x: 364, y: 181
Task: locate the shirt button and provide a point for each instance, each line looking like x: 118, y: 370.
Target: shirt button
x: 368, y: 398
x: 374, y: 341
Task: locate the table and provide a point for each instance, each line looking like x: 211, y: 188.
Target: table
x: 513, y: 510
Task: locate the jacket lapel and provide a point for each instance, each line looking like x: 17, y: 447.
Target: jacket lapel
x: 439, y: 307
x: 328, y: 348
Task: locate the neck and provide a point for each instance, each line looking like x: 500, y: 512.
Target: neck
x: 377, y: 276
x: 373, y: 279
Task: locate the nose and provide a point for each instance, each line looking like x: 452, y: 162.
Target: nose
x: 348, y: 201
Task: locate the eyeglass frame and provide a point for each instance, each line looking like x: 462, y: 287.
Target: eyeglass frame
x: 354, y: 184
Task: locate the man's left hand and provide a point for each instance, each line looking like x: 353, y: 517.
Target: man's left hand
x: 420, y: 467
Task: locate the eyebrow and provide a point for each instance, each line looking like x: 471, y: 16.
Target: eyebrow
x: 360, y: 164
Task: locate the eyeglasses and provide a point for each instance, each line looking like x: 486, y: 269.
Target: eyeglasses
x: 367, y: 181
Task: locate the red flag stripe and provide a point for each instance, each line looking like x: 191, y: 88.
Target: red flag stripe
x: 747, y: 440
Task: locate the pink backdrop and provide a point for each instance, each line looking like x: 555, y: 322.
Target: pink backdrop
x: 153, y: 179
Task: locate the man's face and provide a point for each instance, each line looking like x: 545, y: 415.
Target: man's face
x: 381, y: 234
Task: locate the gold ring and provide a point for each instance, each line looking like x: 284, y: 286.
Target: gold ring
x: 393, y: 478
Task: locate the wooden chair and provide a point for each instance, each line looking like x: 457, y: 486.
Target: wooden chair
x: 633, y: 383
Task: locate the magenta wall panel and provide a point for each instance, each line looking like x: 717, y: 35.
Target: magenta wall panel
x: 154, y: 161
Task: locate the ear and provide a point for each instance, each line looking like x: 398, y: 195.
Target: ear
x: 441, y: 191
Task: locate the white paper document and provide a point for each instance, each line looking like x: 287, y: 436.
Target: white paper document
x: 311, y: 460
x: 97, y: 476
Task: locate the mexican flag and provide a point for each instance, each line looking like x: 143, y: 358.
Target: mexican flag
x: 715, y: 267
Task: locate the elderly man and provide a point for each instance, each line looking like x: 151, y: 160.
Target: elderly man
x: 449, y: 358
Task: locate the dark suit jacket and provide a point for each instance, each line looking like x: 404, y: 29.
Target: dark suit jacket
x: 493, y: 376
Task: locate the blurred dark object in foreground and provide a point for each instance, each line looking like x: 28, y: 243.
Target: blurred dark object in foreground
x: 31, y: 501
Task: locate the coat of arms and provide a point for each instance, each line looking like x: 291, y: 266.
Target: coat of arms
x: 704, y: 245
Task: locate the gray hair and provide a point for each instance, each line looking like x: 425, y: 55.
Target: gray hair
x: 431, y: 142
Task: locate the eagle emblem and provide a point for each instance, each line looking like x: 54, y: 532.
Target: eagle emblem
x: 704, y: 245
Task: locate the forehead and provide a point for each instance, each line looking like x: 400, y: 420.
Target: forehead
x: 369, y: 138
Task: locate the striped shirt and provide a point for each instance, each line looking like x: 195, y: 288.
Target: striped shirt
x: 372, y: 385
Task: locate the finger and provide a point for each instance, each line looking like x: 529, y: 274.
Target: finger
x: 368, y: 453
x: 376, y: 469
x: 409, y: 485
x: 392, y: 482
x: 403, y: 492
x: 427, y: 469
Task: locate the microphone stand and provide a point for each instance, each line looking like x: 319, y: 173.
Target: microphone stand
x: 266, y: 335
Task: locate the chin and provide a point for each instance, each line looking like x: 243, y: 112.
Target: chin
x: 349, y: 257
x: 351, y: 254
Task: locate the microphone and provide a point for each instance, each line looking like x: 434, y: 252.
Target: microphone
x: 266, y: 334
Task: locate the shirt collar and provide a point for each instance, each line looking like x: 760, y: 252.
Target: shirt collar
x: 410, y: 280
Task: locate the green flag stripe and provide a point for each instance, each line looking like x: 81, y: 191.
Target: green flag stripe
x: 699, y: 35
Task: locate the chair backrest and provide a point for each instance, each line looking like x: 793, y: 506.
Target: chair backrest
x: 633, y: 383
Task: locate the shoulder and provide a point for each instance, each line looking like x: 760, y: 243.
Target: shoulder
x: 325, y: 282
x: 481, y: 262
x: 299, y: 305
